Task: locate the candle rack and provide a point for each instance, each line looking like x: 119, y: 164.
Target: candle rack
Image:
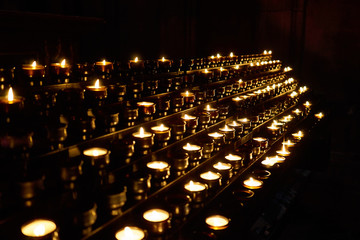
x: 105, y: 187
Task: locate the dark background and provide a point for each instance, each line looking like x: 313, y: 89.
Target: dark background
x: 319, y: 38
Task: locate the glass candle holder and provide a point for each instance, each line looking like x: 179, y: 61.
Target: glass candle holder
x: 238, y: 128
x: 246, y: 123
x: 252, y: 183
x: 158, y: 221
x: 143, y: 140
x: 104, y: 66
x: 159, y: 170
x: 217, y: 222
x: 225, y: 169
x: 194, y: 152
x: 214, y: 113
x: 40, y: 229
x: 191, y: 123
x: 162, y: 134
x: 99, y: 157
x: 196, y: 190
x: 219, y: 140
x: 212, y: 179
x: 189, y: 99
x: 130, y: 233
x: 235, y: 160
x: 147, y: 109
x: 228, y: 132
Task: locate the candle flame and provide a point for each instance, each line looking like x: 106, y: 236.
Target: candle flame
x: 187, y: 93
x: 206, y: 71
x: 270, y: 52
x: 104, y: 62
x: 161, y: 127
x: 163, y: 59
x: 218, y: 55
x: 63, y: 62
x: 142, y: 132
x: 10, y: 95
x: 265, y: 52
x: 136, y: 59
x: 33, y: 64
x: 237, y: 67
x: 208, y: 107
x: 128, y: 232
x: 231, y: 54
x: 221, y: 69
x: 95, y: 153
x: 212, y: 57
x: 97, y: 84
x: 39, y: 230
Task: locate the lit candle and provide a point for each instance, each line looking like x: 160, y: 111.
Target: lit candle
x: 307, y: 104
x: 228, y: 132
x: 104, y: 66
x: 159, y: 169
x: 162, y: 134
x: 319, y: 115
x: 261, y: 142
x: 98, y: 156
x: 274, y: 130
x: 283, y: 152
x: 268, y: 162
x: 206, y: 75
x: 214, y: 113
x: 246, y: 123
x: 11, y: 103
x: 194, y: 151
x: 189, y: 98
x: 235, y: 160
x: 39, y: 228
x: 34, y: 70
x: 158, y: 220
x: 297, y: 136
x: 238, y: 101
x: 136, y: 64
x: 191, y: 122
x: 218, y: 139
x: 225, y: 169
x: 130, y: 233
x: 212, y: 179
x: 288, y: 143
x: 297, y: 112
x: 196, y: 190
x: 217, y: 222
x: 252, y: 183
x: 164, y: 63
x: 97, y: 91
x: 277, y: 159
x: 143, y: 139
x: 237, y: 126
x: 61, y: 69
x: 147, y: 108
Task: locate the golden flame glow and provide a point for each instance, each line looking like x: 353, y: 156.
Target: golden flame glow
x: 33, y: 64
x: 319, y: 115
x: 10, y: 95
x: 39, y: 230
x: 104, y: 62
x: 142, y: 132
x: 221, y: 69
x: 218, y: 55
x: 208, y: 107
x: 63, y: 63
x: 163, y: 59
x: 97, y: 84
x: 265, y: 52
x: 206, y: 71
x: 136, y: 59
x: 212, y: 57
x: 231, y: 54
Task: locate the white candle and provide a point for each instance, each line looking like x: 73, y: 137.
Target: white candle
x: 215, y: 135
x: 217, y: 222
x: 160, y: 128
x: 252, y: 183
x: 191, y: 147
x: 232, y: 157
x: 142, y: 134
x: 156, y: 215
x: 268, y: 162
x: 283, y: 151
x: 95, y: 152
x: 130, y: 233
x: 195, y: 186
x: 157, y: 165
x: 38, y: 228
x: 277, y: 159
x: 210, y: 175
x: 222, y: 166
x: 188, y: 117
